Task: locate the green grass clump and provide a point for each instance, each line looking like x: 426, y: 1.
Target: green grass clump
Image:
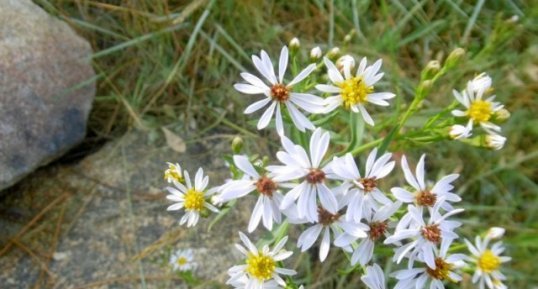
x: 173, y: 63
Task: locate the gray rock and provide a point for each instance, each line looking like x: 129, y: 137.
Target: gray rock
x: 113, y: 227
x: 46, y: 88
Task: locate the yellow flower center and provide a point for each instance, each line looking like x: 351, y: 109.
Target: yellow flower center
x: 441, y: 271
x: 194, y: 200
x: 182, y: 261
x: 480, y: 111
x: 489, y: 262
x: 260, y: 266
x: 354, y: 91
x: 173, y: 173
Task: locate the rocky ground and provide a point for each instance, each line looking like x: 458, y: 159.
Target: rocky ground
x: 102, y: 223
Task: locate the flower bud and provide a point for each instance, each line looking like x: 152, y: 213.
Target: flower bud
x: 495, y: 141
x: 315, y: 53
x: 431, y: 69
x: 237, y: 145
x: 495, y: 233
x: 458, y: 131
x: 424, y: 87
x: 333, y: 53
x: 294, y: 43
x: 454, y: 57
x: 346, y: 60
x: 502, y: 114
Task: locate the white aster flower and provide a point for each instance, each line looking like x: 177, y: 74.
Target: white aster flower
x: 326, y: 223
x: 377, y: 223
x: 420, y: 277
x: 298, y: 165
x: 495, y: 141
x: 363, y: 194
x: 182, y: 260
x: 279, y: 93
x: 423, y: 195
x: 478, y: 110
x: 260, y: 270
x: 267, y: 206
x: 425, y: 237
x: 488, y: 260
x: 354, y: 91
x: 173, y: 173
x: 191, y: 198
x: 374, y: 277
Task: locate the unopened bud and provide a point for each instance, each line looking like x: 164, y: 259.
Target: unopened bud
x: 454, y: 57
x: 431, y: 69
x: 346, y: 60
x: 333, y: 53
x: 295, y: 43
x: 459, y: 131
x: 237, y: 145
x: 424, y: 87
x: 495, y: 233
x: 315, y: 53
x: 495, y: 141
x: 502, y: 114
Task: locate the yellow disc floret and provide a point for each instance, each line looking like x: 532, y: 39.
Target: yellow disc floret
x: 261, y: 266
x: 488, y: 262
x: 194, y: 200
x: 441, y: 271
x: 173, y: 173
x: 182, y: 261
x: 354, y: 91
x: 480, y: 111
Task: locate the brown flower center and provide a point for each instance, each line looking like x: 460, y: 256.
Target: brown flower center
x: 432, y: 233
x: 266, y: 186
x: 315, y: 176
x: 377, y: 229
x: 426, y: 198
x: 325, y: 217
x: 369, y: 184
x: 441, y: 271
x: 280, y: 92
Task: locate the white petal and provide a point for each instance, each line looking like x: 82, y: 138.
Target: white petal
x: 332, y: 71
x: 244, y: 165
x: 282, y: 63
x: 248, y: 89
x: 266, y: 117
x: 257, y: 105
x: 303, y: 74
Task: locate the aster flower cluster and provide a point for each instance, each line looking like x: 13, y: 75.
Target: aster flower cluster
x: 323, y: 190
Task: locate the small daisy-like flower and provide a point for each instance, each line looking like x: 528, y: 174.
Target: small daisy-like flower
x: 444, y: 271
x: 478, y: 110
x: 182, y: 260
x: 279, y: 93
x: 193, y: 199
x: 363, y: 194
x: 267, y: 206
x: 261, y: 269
x: 378, y: 223
x: 353, y: 92
x: 326, y: 223
x: 425, y: 196
x: 488, y: 261
x: 173, y: 173
x: 298, y: 165
x: 425, y: 236
x: 374, y: 277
